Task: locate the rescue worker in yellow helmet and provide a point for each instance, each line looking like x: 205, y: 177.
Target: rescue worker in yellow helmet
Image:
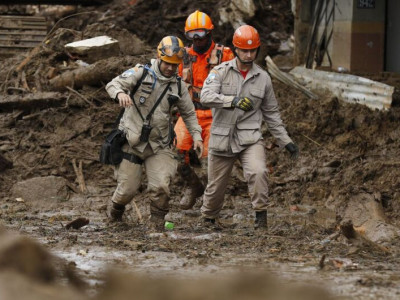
x: 241, y: 96
x: 200, y: 58
x: 147, y: 125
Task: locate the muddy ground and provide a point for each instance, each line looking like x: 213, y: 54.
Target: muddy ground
x: 349, y: 163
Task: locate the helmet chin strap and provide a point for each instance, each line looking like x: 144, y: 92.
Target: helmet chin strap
x: 246, y: 62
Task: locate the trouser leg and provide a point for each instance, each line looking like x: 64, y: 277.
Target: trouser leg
x: 160, y: 168
x: 128, y: 177
x: 219, y: 170
x: 253, y: 161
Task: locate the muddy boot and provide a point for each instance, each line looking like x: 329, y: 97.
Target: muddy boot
x: 195, y: 187
x: 157, y: 222
x: 207, y: 224
x: 159, y: 208
x: 116, y: 212
x: 261, y: 220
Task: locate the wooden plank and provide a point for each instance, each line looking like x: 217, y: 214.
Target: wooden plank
x: 21, y: 39
x: 23, y: 32
x: 31, y: 45
x: 13, y: 17
x: 28, y: 27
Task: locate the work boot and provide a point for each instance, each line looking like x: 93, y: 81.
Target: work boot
x: 195, y: 187
x: 208, y: 225
x: 261, y: 220
x: 157, y: 222
x: 116, y: 212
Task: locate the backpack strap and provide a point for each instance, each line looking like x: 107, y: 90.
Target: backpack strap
x: 216, y: 55
x: 187, y: 72
x: 132, y: 93
x: 179, y: 83
x: 139, y: 82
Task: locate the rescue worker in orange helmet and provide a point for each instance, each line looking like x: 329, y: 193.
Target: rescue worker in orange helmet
x: 147, y: 126
x: 199, y: 59
x: 241, y: 96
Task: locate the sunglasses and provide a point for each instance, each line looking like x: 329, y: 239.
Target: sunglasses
x: 199, y: 34
x: 170, y: 51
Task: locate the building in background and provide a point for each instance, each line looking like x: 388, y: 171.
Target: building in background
x: 348, y: 35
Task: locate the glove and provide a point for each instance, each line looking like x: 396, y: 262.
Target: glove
x: 172, y: 99
x: 242, y: 103
x: 293, y: 150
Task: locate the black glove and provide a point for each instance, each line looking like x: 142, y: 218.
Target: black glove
x: 172, y: 99
x: 242, y: 103
x: 293, y: 149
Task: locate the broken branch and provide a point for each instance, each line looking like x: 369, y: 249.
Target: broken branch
x: 79, y: 176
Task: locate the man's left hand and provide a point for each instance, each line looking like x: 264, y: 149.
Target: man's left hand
x: 198, y: 147
x: 294, y: 150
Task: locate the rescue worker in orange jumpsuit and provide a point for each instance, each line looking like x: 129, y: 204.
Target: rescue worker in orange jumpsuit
x: 200, y: 58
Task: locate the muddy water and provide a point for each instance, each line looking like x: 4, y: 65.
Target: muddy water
x: 355, y: 281
x: 292, y: 249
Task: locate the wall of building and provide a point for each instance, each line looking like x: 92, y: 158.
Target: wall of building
x: 368, y: 36
x: 392, y: 36
x: 358, y: 39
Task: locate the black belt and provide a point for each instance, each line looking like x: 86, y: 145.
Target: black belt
x: 132, y: 158
x: 198, y: 105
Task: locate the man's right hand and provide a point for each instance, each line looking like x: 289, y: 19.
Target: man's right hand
x: 124, y: 100
x: 243, y: 103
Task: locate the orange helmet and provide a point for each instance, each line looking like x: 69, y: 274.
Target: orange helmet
x: 171, y: 50
x: 198, y: 20
x: 246, y: 37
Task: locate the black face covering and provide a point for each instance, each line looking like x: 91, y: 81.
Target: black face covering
x: 204, y: 49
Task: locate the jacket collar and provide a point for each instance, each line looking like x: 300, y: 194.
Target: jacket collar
x: 160, y: 77
x: 254, y: 71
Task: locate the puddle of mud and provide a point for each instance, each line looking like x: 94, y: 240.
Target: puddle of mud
x: 356, y: 283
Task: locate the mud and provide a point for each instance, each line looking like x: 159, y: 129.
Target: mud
x: 349, y: 153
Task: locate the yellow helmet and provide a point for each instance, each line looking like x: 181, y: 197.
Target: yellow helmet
x: 171, y: 50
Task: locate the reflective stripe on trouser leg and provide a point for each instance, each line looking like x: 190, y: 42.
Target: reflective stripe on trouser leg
x: 128, y: 176
x: 160, y: 168
x: 255, y: 171
x: 219, y: 172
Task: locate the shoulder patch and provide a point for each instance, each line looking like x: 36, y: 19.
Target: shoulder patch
x: 128, y: 73
x: 211, y: 76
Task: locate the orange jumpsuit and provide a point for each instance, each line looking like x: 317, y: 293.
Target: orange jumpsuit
x: 198, y: 73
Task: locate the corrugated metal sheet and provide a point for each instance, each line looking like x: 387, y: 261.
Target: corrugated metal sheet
x: 286, y: 78
x: 349, y: 88
x: 20, y: 33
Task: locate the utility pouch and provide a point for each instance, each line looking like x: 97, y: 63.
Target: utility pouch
x: 111, y: 150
